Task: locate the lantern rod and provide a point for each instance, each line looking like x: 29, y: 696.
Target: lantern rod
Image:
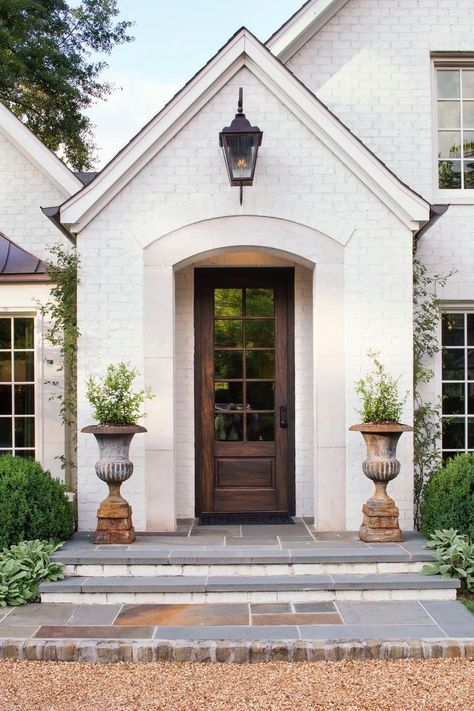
x: 240, y: 105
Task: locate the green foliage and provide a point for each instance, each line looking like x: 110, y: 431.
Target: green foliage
x: 47, y: 74
x: 379, y: 393
x: 468, y: 603
x: 448, y: 498
x: 426, y: 416
x: 454, y: 557
x: 62, y: 332
x: 113, y: 400
x: 23, y: 568
x: 32, y: 503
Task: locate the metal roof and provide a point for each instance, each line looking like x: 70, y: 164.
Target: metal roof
x: 16, y: 264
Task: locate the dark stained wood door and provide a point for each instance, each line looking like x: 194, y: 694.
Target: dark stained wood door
x: 244, y: 398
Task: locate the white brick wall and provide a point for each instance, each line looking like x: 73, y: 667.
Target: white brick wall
x: 294, y: 169
x: 23, y: 189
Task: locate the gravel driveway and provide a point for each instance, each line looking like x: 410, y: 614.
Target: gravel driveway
x: 330, y: 686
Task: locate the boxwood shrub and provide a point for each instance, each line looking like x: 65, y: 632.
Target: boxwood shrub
x: 33, y: 505
x: 448, y: 500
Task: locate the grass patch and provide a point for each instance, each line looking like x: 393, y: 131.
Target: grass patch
x: 469, y: 603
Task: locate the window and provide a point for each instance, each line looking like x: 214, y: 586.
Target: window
x: 17, y: 386
x: 455, y: 108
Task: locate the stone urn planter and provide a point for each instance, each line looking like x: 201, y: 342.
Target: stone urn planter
x: 114, y: 515
x: 380, y: 522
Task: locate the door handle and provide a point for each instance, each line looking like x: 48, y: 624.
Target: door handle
x: 284, y: 416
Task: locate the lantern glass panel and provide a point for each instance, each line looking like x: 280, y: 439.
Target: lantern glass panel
x: 241, y: 152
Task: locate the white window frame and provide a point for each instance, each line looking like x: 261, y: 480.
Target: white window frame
x: 457, y: 309
x: 38, y: 377
x: 461, y: 60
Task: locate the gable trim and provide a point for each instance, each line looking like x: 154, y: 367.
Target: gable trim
x: 245, y: 50
x: 302, y: 26
x: 36, y: 152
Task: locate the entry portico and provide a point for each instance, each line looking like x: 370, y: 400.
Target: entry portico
x: 321, y: 205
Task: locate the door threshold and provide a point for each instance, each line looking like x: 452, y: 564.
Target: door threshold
x: 227, y: 519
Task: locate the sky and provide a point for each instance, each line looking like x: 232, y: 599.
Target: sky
x: 173, y: 40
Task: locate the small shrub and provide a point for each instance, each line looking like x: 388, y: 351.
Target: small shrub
x: 33, y: 505
x: 454, y: 557
x: 113, y: 400
x: 23, y: 568
x: 379, y: 392
x: 448, y: 498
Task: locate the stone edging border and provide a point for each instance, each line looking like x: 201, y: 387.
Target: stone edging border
x: 237, y: 652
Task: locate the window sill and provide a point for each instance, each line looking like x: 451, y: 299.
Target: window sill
x: 454, y: 197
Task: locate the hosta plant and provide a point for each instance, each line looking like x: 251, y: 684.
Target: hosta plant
x: 454, y: 557
x: 23, y: 567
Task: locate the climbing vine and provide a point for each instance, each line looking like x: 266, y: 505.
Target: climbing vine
x: 427, y: 415
x: 62, y: 333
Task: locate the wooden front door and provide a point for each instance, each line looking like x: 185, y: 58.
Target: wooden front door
x: 244, y: 368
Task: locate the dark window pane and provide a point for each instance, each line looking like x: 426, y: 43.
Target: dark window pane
x: 5, y: 333
x: 5, y: 367
x: 260, y: 302
x: 228, y: 302
x: 469, y: 175
x: 25, y: 453
x: 227, y: 334
x: 449, y: 144
x: 449, y: 455
x: 24, y: 366
x: 470, y: 433
x: 5, y: 432
x: 453, y: 329
x: 229, y: 428
x: 5, y: 399
x: 453, y: 398
x: 470, y: 398
x: 470, y: 329
x: 261, y: 396
x: 228, y: 364
x: 24, y: 432
x: 448, y: 83
x: 453, y: 364
x: 449, y: 174
x: 470, y: 364
x: 260, y: 428
x: 260, y: 334
x: 468, y: 114
x: 24, y: 399
x: 453, y: 433
x: 449, y: 114
x: 228, y: 395
x: 260, y: 364
x: 468, y: 144
x: 24, y: 336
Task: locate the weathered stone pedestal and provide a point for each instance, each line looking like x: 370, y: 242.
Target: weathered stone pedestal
x: 380, y: 520
x: 114, y: 515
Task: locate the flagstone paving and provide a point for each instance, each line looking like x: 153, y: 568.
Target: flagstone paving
x: 297, y: 621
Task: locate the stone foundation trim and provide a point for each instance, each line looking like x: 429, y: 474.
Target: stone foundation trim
x: 236, y: 652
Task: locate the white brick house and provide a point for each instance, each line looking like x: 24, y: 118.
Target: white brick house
x: 355, y: 103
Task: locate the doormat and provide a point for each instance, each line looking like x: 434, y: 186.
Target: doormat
x: 220, y: 519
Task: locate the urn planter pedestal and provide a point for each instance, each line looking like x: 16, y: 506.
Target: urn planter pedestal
x: 380, y: 521
x: 114, y: 515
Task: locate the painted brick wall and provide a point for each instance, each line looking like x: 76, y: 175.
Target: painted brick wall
x: 371, y: 65
x: 111, y: 289
x: 23, y: 189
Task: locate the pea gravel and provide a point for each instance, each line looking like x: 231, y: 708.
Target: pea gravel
x: 406, y: 685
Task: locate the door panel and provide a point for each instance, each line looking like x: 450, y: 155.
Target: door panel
x: 244, y: 390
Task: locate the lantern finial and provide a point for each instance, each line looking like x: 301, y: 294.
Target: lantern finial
x: 240, y: 106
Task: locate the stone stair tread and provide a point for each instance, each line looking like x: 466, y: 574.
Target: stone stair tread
x: 377, y: 581
x: 236, y: 555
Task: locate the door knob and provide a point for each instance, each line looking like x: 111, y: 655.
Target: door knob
x: 283, y: 416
